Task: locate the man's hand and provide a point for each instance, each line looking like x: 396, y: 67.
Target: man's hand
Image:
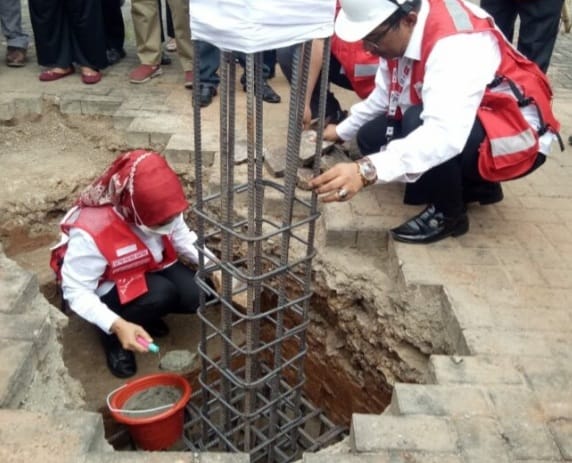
x: 127, y: 333
x: 330, y: 133
x: 340, y: 183
x: 307, y: 120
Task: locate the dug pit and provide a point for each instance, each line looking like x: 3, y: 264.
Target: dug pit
x: 367, y: 330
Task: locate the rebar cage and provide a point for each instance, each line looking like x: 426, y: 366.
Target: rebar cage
x: 252, y: 356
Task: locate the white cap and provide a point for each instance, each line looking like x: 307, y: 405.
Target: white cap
x: 357, y: 18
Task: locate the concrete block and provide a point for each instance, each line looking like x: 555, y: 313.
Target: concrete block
x: 26, y: 105
x: 339, y: 226
x: 414, y: 399
x: 325, y: 457
x: 161, y: 124
x: 551, y: 380
x: 275, y: 162
x: 445, y: 369
x: 33, y: 327
x: 103, y: 105
x: 18, y: 288
x: 135, y: 140
x: 7, y: 110
x: 16, y: 371
x: 481, y: 441
x: 521, y: 421
x: 63, y: 437
x: 562, y: 432
x: 372, y: 433
x: 70, y: 103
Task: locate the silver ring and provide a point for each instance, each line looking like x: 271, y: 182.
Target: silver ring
x: 342, y: 193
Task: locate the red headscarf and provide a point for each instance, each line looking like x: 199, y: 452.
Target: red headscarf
x: 141, y: 186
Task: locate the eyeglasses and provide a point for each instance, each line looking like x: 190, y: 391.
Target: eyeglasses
x: 373, y: 38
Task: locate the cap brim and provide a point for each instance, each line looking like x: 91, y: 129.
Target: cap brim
x: 352, y: 31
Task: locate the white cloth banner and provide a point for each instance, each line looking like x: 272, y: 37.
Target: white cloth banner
x: 251, y: 26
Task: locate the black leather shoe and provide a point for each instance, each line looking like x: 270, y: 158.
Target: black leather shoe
x: 485, y: 193
x: 268, y: 93
x: 120, y: 362
x: 114, y: 55
x: 165, y: 59
x: 206, y: 94
x: 430, y: 226
x: 157, y: 329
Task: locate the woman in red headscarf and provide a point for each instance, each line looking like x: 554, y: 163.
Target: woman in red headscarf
x: 118, y: 260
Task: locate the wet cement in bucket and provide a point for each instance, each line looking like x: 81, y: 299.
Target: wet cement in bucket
x: 151, y: 401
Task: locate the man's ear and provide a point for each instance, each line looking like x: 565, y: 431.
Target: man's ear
x: 411, y: 19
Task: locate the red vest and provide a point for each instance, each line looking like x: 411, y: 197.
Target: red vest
x: 360, y: 66
x: 128, y: 258
x: 511, y: 145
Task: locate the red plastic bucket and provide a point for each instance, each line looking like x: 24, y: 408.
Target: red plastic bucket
x: 161, y: 430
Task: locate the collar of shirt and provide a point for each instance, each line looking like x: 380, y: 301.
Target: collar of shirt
x: 413, y: 50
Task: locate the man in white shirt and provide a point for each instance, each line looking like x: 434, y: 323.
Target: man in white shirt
x: 426, y: 120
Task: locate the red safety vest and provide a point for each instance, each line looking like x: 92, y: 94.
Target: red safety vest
x: 511, y: 144
x: 128, y: 258
x: 359, y: 65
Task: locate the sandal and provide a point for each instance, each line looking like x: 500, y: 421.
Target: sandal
x: 51, y: 74
x: 90, y: 76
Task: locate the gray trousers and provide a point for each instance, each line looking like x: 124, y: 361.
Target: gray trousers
x: 11, y: 23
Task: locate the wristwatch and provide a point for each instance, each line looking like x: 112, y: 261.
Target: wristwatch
x: 367, y: 171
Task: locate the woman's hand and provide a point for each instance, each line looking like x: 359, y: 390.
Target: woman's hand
x: 340, y: 183
x: 127, y: 333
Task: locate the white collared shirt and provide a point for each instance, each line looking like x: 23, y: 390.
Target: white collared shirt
x: 457, y: 72
x: 84, y: 265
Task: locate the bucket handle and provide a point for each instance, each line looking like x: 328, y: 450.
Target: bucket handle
x: 121, y: 410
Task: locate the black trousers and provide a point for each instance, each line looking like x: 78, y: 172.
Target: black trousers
x: 113, y: 24
x: 172, y: 290
x: 539, y: 23
x: 67, y: 32
x: 333, y: 108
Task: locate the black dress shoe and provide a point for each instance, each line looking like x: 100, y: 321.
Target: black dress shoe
x: 206, y: 94
x: 268, y: 93
x: 157, y: 329
x: 485, y: 193
x: 165, y: 59
x: 120, y: 362
x: 430, y: 226
x: 115, y: 55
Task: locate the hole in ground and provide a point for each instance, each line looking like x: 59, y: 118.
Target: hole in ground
x: 357, y: 347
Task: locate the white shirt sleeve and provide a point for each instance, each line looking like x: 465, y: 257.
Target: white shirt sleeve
x: 184, y: 240
x: 82, y: 269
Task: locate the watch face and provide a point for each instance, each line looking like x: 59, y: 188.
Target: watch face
x: 367, y: 170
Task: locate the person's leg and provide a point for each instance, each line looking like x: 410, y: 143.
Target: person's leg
x: 285, y: 58
x: 147, y: 29
x: 114, y: 30
x: 371, y: 136
x: 539, y: 23
x: 209, y: 62
x: 268, y: 93
x: 51, y: 34
x: 504, y: 13
x: 169, y: 18
x: 182, y: 25
x: 16, y: 39
x: 183, y: 279
x: 86, y: 22
x: 11, y: 23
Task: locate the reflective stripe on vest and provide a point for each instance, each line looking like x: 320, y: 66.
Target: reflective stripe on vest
x: 501, y: 146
